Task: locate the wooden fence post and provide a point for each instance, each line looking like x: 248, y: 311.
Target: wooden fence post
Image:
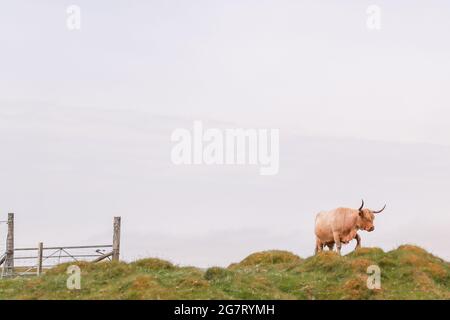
x: 39, y: 258
x: 9, y: 262
x: 116, y: 239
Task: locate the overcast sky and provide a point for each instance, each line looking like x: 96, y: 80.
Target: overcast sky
x: 86, y: 118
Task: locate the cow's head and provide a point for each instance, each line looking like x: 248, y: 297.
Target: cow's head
x: 366, y: 217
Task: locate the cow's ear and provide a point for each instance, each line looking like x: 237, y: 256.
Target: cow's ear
x: 361, y: 213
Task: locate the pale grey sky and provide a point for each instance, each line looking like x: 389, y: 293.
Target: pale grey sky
x: 86, y: 117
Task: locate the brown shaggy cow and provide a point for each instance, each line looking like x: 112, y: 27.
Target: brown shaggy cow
x: 341, y: 226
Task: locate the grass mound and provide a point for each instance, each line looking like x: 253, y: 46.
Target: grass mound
x: 153, y: 264
x: 214, y: 273
x: 268, y: 258
x: 408, y: 272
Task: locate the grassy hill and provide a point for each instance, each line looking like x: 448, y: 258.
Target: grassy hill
x: 408, y: 272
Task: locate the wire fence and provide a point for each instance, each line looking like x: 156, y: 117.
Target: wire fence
x: 29, y: 261
x: 35, y: 260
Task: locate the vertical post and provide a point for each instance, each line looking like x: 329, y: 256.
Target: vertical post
x: 39, y: 258
x: 9, y: 262
x: 116, y: 239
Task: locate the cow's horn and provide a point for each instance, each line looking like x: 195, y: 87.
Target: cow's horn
x: 380, y: 210
x: 362, y: 205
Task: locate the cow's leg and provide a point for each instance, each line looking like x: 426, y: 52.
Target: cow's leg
x: 358, y: 241
x: 337, y: 240
x: 319, y: 246
x: 330, y: 246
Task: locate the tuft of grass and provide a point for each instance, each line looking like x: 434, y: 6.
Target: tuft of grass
x: 265, y: 258
x: 408, y: 272
x: 153, y: 264
x: 215, y: 273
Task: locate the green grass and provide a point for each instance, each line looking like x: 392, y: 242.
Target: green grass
x: 408, y: 272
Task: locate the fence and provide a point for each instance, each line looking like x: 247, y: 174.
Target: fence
x: 35, y: 260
